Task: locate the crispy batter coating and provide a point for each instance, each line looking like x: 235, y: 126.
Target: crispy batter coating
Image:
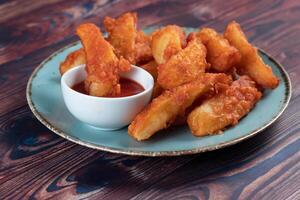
x: 74, y: 59
x: 226, y: 108
x: 122, y: 34
x: 143, y: 53
x: 251, y: 63
x: 166, y: 42
x: 128, y: 42
x: 151, y: 67
x: 184, y: 66
x: 206, y: 34
x: 102, y: 65
x: 220, y: 54
x: 164, y: 109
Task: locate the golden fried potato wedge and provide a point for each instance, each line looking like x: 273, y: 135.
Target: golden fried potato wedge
x: 166, y: 42
x: 122, y: 35
x: 143, y: 52
x: 251, y: 63
x: 206, y: 34
x: 226, y: 108
x: 128, y: 42
x: 102, y: 65
x: 164, y: 109
x: 220, y: 54
x: 74, y: 59
x: 184, y: 66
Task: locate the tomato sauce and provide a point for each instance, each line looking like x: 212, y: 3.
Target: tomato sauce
x: 79, y: 87
x: 128, y: 88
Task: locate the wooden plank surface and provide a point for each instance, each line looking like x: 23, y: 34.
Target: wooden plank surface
x: 37, y: 164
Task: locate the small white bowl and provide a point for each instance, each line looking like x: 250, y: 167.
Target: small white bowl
x: 104, y: 112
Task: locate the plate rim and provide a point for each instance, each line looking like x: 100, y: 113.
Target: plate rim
x: 38, y: 115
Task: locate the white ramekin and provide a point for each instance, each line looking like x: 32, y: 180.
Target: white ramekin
x: 104, y: 112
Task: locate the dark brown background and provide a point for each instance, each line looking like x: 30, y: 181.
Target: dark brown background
x: 35, y: 163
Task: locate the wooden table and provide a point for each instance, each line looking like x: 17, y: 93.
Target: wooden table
x: 36, y: 163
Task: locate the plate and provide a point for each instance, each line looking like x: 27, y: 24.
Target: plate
x: 45, y: 99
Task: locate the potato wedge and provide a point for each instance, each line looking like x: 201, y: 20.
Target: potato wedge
x: 226, y: 108
x: 220, y: 54
x: 122, y: 35
x: 166, y: 42
x: 143, y: 52
x: 128, y: 42
x: 74, y: 59
x: 183, y: 67
x: 251, y: 63
x: 102, y: 65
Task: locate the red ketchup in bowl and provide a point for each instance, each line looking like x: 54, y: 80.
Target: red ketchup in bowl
x: 128, y: 88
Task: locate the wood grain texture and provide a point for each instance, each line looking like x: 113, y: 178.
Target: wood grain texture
x: 37, y: 164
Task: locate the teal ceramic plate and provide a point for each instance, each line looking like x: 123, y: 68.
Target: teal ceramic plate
x: 45, y: 99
